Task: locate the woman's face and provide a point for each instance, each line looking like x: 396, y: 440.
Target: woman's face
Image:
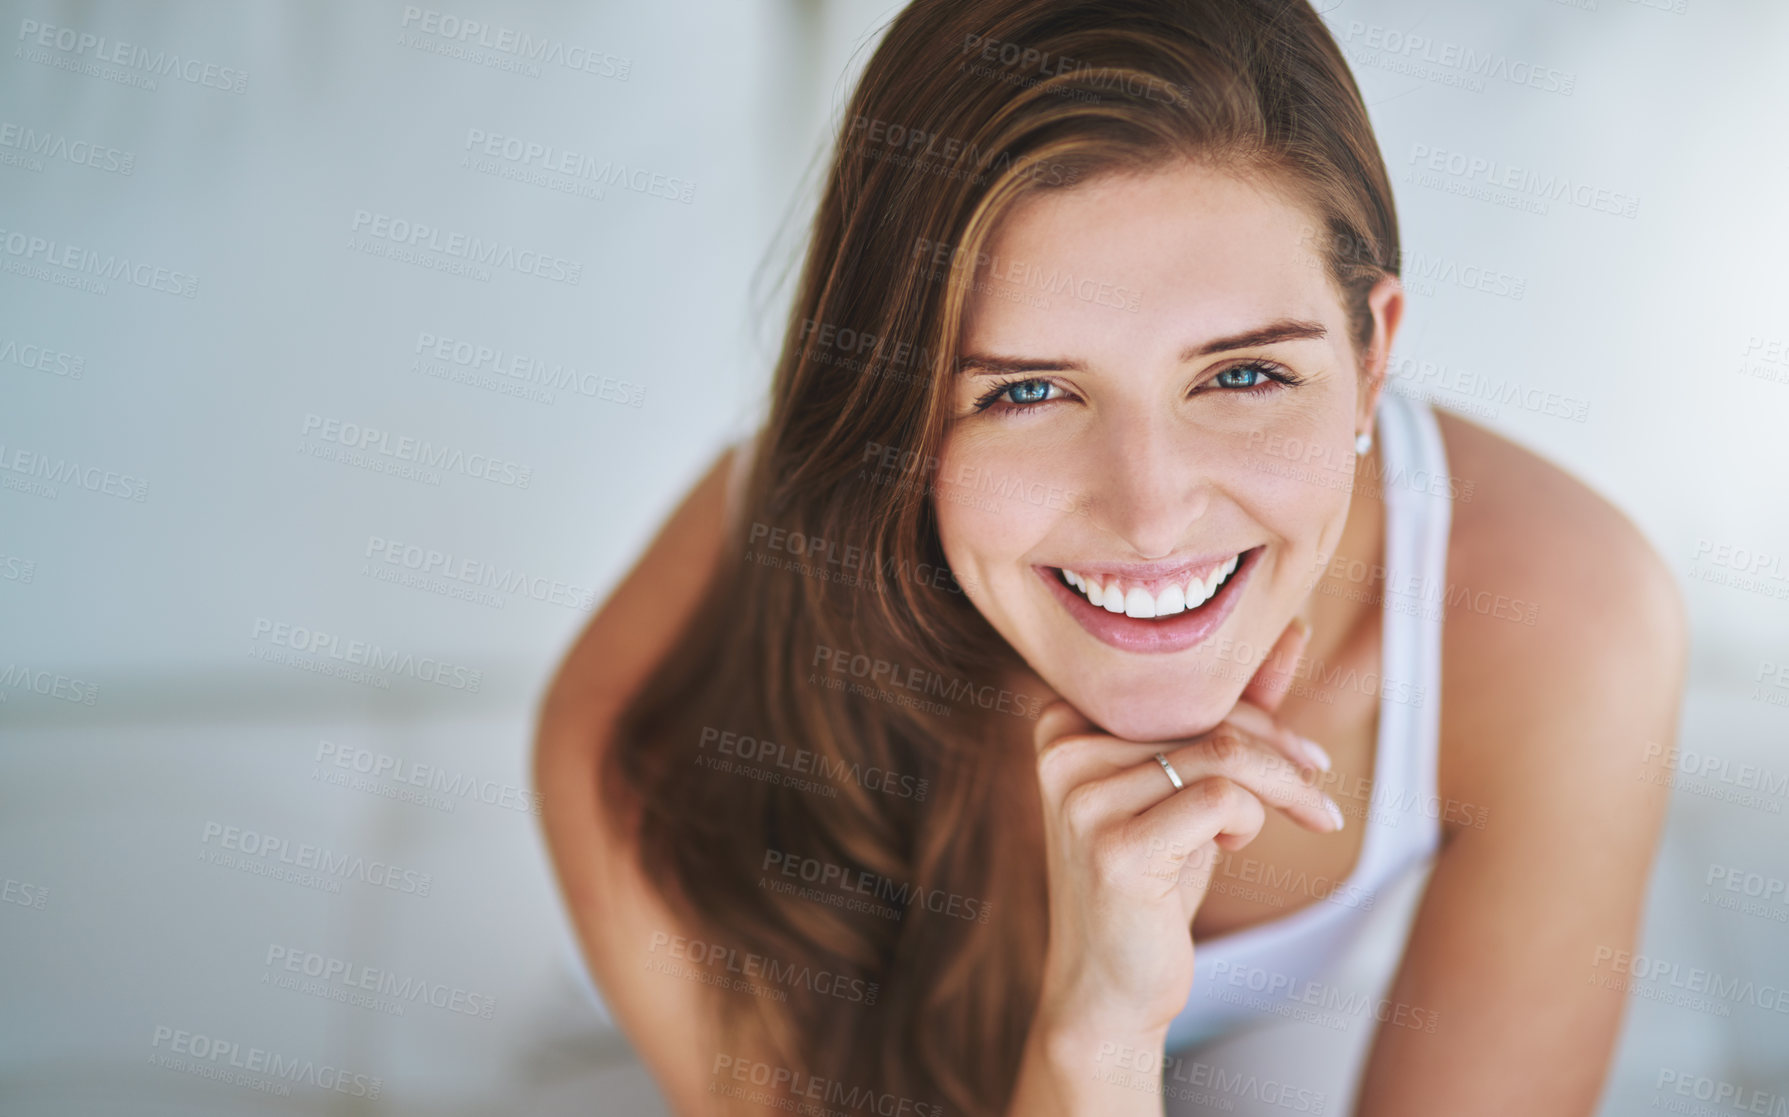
x: 1157, y: 391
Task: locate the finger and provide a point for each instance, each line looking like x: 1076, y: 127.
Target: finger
x: 1058, y: 719
x: 1171, y: 835
x: 1070, y: 751
x: 1268, y: 687
x: 1229, y: 753
x: 1297, y: 747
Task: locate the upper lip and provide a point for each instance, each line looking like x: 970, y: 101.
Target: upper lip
x: 1154, y: 576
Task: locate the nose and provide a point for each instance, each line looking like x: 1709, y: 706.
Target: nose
x: 1148, y: 485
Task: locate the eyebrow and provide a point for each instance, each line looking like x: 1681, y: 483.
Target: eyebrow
x: 1286, y: 329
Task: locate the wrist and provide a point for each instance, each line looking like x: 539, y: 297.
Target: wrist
x: 1093, y: 1058
x: 1079, y: 1070
x: 1068, y: 1022
x: 1082, y: 1046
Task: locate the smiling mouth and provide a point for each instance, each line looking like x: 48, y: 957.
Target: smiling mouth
x: 1116, y: 595
x: 1157, y: 616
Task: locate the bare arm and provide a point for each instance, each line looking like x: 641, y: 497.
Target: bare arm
x: 1116, y: 975
x: 1551, y: 733
x: 621, y: 922
x: 643, y: 615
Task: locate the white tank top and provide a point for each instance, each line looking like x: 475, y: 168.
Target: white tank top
x: 1286, y: 958
x: 1276, y: 970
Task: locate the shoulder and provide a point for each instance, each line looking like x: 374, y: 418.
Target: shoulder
x: 630, y: 936
x: 1582, y: 569
x: 1564, y: 630
x: 1531, y: 526
x: 1562, y: 657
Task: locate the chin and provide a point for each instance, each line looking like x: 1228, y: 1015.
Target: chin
x: 1152, y: 719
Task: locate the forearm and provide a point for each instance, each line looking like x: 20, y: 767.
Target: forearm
x: 1081, y: 1071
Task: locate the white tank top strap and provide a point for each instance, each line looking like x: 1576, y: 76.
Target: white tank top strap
x: 1417, y: 490
x: 1238, y: 976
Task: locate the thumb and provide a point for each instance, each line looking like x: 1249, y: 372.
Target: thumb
x: 1058, y: 718
x: 1274, y: 677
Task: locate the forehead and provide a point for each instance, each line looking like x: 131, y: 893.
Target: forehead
x: 1184, y: 248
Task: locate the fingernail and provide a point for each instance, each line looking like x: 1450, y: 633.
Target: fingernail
x: 1335, y: 812
x: 1304, y: 627
x: 1318, y: 756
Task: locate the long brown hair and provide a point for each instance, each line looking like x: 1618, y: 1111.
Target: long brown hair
x: 966, y: 107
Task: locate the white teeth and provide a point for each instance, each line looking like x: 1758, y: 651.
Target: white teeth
x: 1171, y: 601
x: 1138, y: 602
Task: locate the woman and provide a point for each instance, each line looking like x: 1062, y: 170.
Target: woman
x: 1082, y: 573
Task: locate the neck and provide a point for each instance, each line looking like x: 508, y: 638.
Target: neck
x: 1354, y: 581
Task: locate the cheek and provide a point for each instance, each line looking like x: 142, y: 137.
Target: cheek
x: 993, y: 510
x: 1298, y: 482
x: 1289, y: 500
x: 984, y: 509
x: 1311, y: 524
x: 976, y: 541
x: 1318, y: 515
x: 966, y: 538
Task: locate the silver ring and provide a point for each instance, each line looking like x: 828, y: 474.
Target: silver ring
x: 1173, y: 776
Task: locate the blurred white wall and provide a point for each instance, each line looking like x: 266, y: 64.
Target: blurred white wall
x: 268, y: 175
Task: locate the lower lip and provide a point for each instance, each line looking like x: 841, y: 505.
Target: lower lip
x: 1169, y: 634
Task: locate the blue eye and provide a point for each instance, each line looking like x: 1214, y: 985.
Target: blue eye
x: 1255, y: 378
x: 1242, y: 376
x: 1019, y: 395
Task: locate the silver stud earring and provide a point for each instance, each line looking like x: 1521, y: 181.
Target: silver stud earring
x: 1363, y: 443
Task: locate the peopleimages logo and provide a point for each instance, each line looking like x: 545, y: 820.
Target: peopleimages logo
x: 49, y: 684
x: 25, y: 250
x: 416, y: 456
x: 1465, y: 60
x: 455, y: 785
x: 238, y: 847
x: 1524, y: 184
x: 256, y: 1068
x: 472, y: 250
x: 752, y: 967
x: 1730, y: 1096
x: 41, y: 358
x: 529, y: 155
x: 36, y: 472
x: 73, y: 44
x: 883, y: 673
x: 16, y: 569
x: 515, y: 373
x: 1023, y: 274
x: 454, y: 35
x: 428, y: 562
x: 793, y: 758
x: 1188, y: 1079
x: 33, y: 144
x: 823, y: 1095
x: 359, y: 653
x: 351, y: 982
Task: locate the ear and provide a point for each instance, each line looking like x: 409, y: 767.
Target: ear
x: 1386, y: 304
